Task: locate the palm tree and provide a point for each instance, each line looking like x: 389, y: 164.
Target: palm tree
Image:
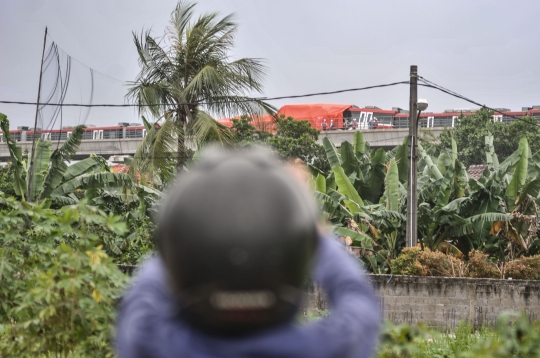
x: 185, y: 79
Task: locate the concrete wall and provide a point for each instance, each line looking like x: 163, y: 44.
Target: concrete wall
x: 443, y: 302
x: 440, y: 302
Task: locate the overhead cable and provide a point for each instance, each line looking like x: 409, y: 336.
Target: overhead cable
x: 214, y: 102
x: 430, y: 84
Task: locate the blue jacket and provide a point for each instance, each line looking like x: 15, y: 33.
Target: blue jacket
x: 147, y: 326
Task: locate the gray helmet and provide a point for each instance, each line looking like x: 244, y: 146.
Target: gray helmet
x: 237, y: 234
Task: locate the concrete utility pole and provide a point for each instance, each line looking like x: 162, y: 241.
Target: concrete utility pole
x: 412, y: 195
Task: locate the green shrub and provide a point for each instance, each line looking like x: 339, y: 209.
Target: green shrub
x: 481, y: 267
x: 417, y: 262
x: 524, y: 268
x: 407, y: 263
x: 58, y: 287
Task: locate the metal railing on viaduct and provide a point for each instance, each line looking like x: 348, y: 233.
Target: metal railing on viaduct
x: 378, y: 138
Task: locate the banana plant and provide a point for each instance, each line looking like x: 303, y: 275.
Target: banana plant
x: 350, y: 197
x: 496, y: 214
x: 521, y: 203
x: 52, y: 178
x: 438, y: 185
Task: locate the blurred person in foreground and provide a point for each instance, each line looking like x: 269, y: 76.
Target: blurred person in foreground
x: 237, y: 237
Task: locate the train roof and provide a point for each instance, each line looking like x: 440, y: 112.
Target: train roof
x: 372, y: 110
x: 314, y: 110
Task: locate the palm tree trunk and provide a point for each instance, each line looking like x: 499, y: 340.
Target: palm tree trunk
x: 181, y: 154
x: 181, y: 149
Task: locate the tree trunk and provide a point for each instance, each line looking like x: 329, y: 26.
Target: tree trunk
x: 181, y: 149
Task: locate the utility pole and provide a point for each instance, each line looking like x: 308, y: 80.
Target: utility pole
x: 32, y: 153
x: 412, y: 195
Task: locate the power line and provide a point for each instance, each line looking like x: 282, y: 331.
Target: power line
x: 430, y: 84
x: 206, y: 103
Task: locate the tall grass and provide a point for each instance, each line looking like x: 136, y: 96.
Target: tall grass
x: 512, y: 336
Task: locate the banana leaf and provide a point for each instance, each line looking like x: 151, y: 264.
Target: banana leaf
x: 460, y: 179
x: 64, y: 200
x: 434, y: 171
x: 489, y: 217
x: 331, y: 181
x: 508, y: 164
x: 313, y: 170
x: 331, y: 153
x: 358, y: 238
x: 359, y: 143
x: 520, y: 172
x: 444, y: 163
x: 470, y: 225
x: 402, y: 160
x: 531, y: 188
x: 392, y: 186
x: 372, y: 187
x: 148, y: 190
x: 58, y: 166
x: 388, y: 215
x: 445, y: 189
x: 349, y: 160
x: 331, y: 207
x: 454, y: 150
x: 534, y: 165
x: 455, y: 205
x: 320, y: 183
x: 83, y: 167
x: 491, y: 157
x: 93, y: 181
x: 15, y: 152
x: 345, y: 187
x: 336, y: 196
x: 42, y: 159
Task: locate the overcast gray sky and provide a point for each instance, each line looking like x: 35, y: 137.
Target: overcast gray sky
x: 487, y: 50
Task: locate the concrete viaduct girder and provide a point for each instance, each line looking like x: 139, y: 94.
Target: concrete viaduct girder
x: 387, y: 138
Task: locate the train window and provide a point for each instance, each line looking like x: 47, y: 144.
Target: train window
x: 88, y: 135
x: 144, y: 133
x: 497, y: 118
x: 68, y: 134
x: 97, y: 134
x: 401, y: 122
x: 369, y: 116
x: 1, y: 137
x: 46, y: 136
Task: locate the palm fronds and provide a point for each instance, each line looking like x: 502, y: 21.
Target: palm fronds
x: 186, y: 78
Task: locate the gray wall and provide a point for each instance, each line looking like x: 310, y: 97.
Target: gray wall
x: 442, y: 302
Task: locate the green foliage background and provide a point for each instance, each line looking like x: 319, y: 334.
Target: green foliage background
x: 6, y: 179
x: 293, y: 139
x: 470, y: 132
x: 58, y: 288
